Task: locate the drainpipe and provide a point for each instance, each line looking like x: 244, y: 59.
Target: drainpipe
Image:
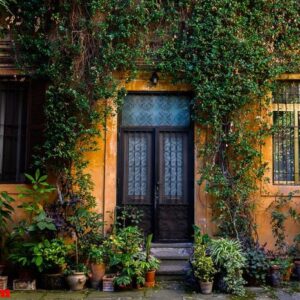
x: 104, y: 168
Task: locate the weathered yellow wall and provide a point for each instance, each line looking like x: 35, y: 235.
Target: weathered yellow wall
x: 103, y: 169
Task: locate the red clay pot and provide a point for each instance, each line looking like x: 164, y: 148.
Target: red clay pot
x: 150, y: 279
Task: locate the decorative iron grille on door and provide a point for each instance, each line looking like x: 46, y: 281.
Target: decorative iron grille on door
x: 155, y: 163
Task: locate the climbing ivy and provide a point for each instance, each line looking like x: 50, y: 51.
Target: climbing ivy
x: 230, y: 52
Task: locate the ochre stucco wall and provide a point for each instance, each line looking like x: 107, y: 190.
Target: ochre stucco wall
x: 103, y: 169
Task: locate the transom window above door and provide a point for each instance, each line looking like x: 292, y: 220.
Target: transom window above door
x: 156, y: 110
x: 286, y: 120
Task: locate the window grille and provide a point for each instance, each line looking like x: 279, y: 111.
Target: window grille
x: 286, y: 115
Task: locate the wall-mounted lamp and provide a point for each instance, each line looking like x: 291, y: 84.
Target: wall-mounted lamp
x: 154, y: 78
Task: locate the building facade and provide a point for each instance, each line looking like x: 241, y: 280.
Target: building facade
x: 148, y: 156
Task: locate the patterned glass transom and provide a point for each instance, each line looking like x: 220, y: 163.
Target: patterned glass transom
x: 156, y: 110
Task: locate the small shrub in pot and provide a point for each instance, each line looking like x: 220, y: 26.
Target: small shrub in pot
x: 203, y: 266
x: 257, y: 264
x: 97, y: 258
x: 230, y: 260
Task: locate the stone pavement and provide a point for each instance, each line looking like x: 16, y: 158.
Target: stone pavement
x: 164, y: 291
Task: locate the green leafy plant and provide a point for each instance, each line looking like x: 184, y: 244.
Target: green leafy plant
x: 6, y: 211
x: 97, y: 254
x: 285, y: 263
x: 228, y: 257
x: 128, y: 215
x: 50, y: 255
x: 202, y: 263
x: 22, y: 255
x: 257, y: 263
x: 36, y: 195
x: 126, y: 257
x: 281, y: 210
x: 47, y: 255
x: 79, y: 268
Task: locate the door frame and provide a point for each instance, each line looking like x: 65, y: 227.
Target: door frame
x: 155, y: 150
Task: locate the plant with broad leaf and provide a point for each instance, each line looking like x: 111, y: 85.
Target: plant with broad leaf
x: 36, y: 195
x: 46, y: 255
x: 126, y: 256
x: 50, y: 255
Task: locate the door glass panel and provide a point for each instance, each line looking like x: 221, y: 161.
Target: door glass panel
x: 156, y: 110
x: 137, y: 164
x: 173, y: 161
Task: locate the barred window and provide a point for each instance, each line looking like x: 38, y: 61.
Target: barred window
x: 286, y: 115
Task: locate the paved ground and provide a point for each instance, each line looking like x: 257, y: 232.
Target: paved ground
x: 165, y: 291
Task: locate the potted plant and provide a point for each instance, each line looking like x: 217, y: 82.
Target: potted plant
x: 257, y: 264
x: 126, y: 257
x: 97, y: 257
x: 287, y: 266
x: 151, y: 265
x: 50, y: 258
x: 76, y: 276
x: 22, y: 256
x: 230, y: 261
x: 275, y: 273
x: 6, y: 211
x: 203, y: 268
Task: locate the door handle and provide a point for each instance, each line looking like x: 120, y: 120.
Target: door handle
x: 157, y: 186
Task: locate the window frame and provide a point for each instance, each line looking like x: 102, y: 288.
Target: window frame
x: 295, y: 109
x: 25, y: 86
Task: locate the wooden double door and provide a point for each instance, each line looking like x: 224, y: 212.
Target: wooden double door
x: 156, y: 167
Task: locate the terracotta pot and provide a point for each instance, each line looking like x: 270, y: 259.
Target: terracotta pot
x: 275, y: 276
x: 150, y: 279
x: 76, y: 281
x: 3, y: 282
x: 108, y: 283
x: 206, y: 287
x: 97, y: 273
x: 288, y: 274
